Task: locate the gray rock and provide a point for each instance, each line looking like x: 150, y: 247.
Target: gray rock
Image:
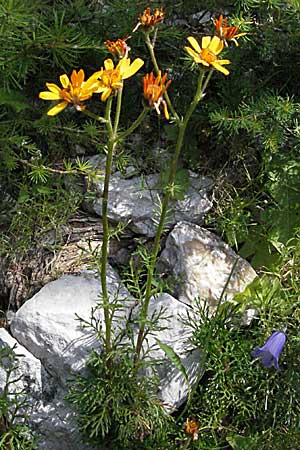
x: 173, y: 388
x: 203, y: 266
x: 27, y: 373
x: 55, y: 425
x: 46, y: 323
x: 50, y: 419
x: 135, y: 201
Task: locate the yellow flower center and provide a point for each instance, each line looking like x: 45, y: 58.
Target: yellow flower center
x: 110, y: 77
x: 207, y: 55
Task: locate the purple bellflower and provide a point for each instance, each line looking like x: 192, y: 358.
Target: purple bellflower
x: 270, y: 352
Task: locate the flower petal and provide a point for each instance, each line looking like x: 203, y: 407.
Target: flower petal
x: 223, y: 62
x: 220, y: 68
x: 194, y: 43
x: 95, y: 76
x: 166, y: 112
x: 80, y: 77
x: 105, y: 94
x: 132, y: 68
x: 108, y: 64
x: 92, y: 84
x: 205, y: 41
x: 101, y: 88
x: 64, y: 79
x: 216, y: 45
x: 192, y: 53
x: 57, y: 109
x: 46, y: 95
x: 53, y: 87
x: 205, y: 63
x: 268, y: 359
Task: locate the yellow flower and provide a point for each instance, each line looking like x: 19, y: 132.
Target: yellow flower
x: 118, y: 48
x: 111, y: 78
x: 75, y: 91
x: 227, y: 33
x: 154, y: 89
x: 148, y: 20
x: 207, y: 54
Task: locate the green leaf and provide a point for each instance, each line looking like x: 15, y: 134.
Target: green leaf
x: 241, y: 443
x: 175, y: 359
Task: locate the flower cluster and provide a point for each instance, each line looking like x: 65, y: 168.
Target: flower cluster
x: 154, y: 88
x: 207, y: 54
x: 74, y: 91
x: 109, y: 79
x: 227, y: 33
x: 148, y: 20
x: 118, y: 48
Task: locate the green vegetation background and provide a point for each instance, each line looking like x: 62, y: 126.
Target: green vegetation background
x: 246, y: 135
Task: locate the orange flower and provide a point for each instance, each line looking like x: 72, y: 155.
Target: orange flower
x: 191, y: 427
x: 154, y: 88
x: 75, y: 91
x: 148, y: 20
x: 227, y: 33
x: 207, y: 55
x: 111, y: 77
x: 118, y: 48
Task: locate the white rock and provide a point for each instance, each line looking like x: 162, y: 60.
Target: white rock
x: 46, y: 323
x: 176, y: 334
x: 204, y: 266
x: 56, y: 426
x: 135, y: 201
x: 51, y: 420
x: 27, y: 372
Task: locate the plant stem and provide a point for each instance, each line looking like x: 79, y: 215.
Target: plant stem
x: 156, y: 246
x: 94, y: 116
x: 157, y: 70
x: 105, y: 242
x: 113, y: 139
x: 135, y: 124
x: 118, y: 112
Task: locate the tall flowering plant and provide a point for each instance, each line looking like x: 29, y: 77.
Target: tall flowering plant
x: 206, y: 58
x: 106, y: 85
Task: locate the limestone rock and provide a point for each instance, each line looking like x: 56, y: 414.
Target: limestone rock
x: 47, y: 326
x: 27, y: 369
x: 176, y: 334
x: 134, y: 201
x: 203, y: 265
x: 55, y: 425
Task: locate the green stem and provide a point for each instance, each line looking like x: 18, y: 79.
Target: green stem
x: 113, y: 138
x: 156, y: 246
x: 135, y: 124
x: 94, y: 116
x: 105, y: 242
x: 157, y: 70
x: 118, y: 111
